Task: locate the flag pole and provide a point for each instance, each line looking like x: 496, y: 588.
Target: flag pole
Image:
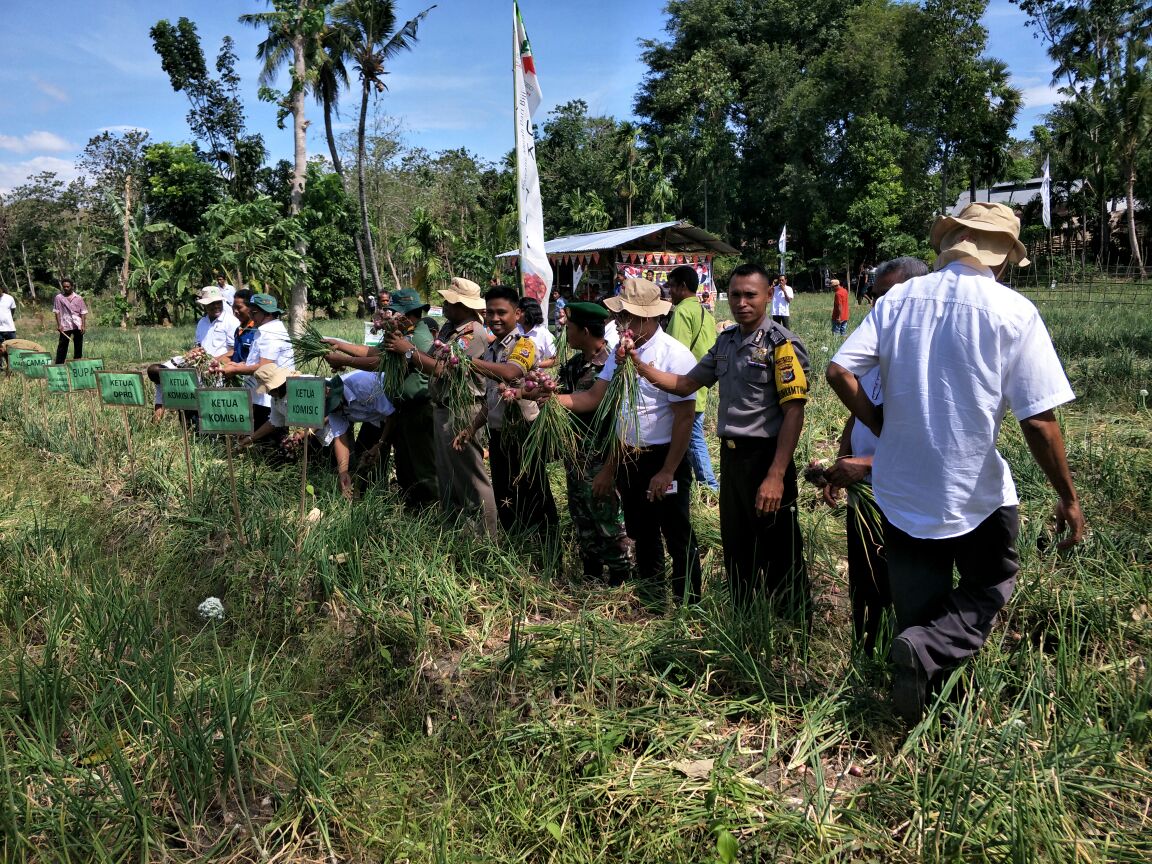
x: 516, y: 72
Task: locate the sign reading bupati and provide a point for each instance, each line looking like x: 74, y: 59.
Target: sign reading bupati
x: 178, y: 389
x: 225, y: 410
x: 34, y: 363
x: 306, y: 402
x: 58, y: 380
x: 84, y: 373
x: 121, y: 388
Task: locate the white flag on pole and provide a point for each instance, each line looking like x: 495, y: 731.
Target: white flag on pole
x: 783, y: 244
x: 535, y: 271
x: 1045, y: 196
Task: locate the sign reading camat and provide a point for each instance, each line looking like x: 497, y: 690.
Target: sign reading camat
x: 84, y: 373
x: 305, y: 402
x: 225, y: 410
x: 34, y: 364
x: 178, y: 388
x: 121, y: 388
x: 58, y: 381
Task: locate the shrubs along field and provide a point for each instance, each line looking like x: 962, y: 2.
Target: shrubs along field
x: 384, y: 687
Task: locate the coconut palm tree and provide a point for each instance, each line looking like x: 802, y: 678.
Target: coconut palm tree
x: 369, y: 26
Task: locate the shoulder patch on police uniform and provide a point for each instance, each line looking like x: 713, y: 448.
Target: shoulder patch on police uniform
x: 523, y: 354
x: 791, y: 382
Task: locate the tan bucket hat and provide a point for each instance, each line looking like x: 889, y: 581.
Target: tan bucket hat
x: 270, y: 376
x: 463, y: 291
x: 210, y: 294
x: 640, y: 297
x: 985, y: 233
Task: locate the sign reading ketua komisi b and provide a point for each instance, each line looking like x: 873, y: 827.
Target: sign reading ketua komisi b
x: 225, y: 410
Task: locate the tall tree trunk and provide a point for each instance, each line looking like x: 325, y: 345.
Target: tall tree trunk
x: 298, y: 306
x: 361, y: 157
x: 27, y: 271
x: 338, y: 167
x: 1133, y: 240
x: 127, y: 247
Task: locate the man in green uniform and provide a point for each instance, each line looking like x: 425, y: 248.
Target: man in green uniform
x: 693, y: 327
x: 762, y: 369
x: 599, y: 521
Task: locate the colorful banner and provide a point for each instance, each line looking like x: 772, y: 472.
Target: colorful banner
x: 658, y: 273
x: 535, y: 271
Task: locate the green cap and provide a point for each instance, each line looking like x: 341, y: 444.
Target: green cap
x: 265, y: 303
x: 406, y: 300
x: 591, y: 313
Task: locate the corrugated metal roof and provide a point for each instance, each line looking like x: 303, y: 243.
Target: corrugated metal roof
x: 657, y: 237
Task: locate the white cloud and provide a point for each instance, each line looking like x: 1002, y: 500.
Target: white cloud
x: 51, y: 90
x: 14, y: 173
x: 34, y: 141
x: 1041, y: 96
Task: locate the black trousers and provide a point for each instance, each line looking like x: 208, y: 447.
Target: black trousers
x: 523, y: 502
x: 946, y: 625
x: 654, y: 525
x: 76, y: 337
x: 763, y: 553
x: 868, y: 588
x: 782, y: 320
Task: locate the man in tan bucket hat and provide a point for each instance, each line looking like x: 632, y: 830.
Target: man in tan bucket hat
x: 956, y: 349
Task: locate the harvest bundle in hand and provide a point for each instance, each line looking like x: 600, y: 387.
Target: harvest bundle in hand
x: 310, y: 346
x: 552, y: 435
x: 863, y: 499
x: 208, y: 369
x: 619, y: 411
x: 455, y: 375
x: 393, y: 368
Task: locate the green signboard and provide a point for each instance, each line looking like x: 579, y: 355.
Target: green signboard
x: 34, y: 363
x: 225, y: 410
x: 178, y: 388
x: 305, y: 402
x: 121, y: 388
x: 16, y: 359
x: 84, y: 373
x: 58, y: 380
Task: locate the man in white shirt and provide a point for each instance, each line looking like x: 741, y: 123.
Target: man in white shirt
x: 216, y: 330
x: 226, y: 290
x: 955, y: 350
x: 868, y: 589
x: 7, y: 319
x: 272, y: 345
x: 654, y: 479
x: 782, y: 297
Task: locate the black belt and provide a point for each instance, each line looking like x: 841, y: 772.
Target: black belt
x: 748, y: 443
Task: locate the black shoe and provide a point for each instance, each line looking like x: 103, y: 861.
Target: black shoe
x: 909, y: 681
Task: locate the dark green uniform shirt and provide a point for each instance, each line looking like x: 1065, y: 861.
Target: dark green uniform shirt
x: 416, y: 384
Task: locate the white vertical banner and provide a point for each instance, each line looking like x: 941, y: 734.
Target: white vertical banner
x: 535, y: 271
x: 783, y: 244
x: 1046, y: 196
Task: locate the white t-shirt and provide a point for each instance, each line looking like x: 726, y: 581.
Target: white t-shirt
x: 955, y: 351
x: 542, y: 339
x: 611, y: 334
x: 7, y: 307
x: 271, y: 343
x: 229, y: 295
x: 220, y: 335
x: 781, y: 300
x: 863, y: 441
x: 655, y: 406
x: 201, y: 330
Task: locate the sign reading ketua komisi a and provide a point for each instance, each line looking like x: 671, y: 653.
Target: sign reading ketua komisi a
x: 178, y: 389
x: 225, y: 410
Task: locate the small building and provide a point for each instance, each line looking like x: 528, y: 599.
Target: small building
x: 589, y: 265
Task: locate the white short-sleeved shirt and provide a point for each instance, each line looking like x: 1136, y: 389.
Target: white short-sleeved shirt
x: 863, y: 442
x: 201, y: 329
x: 780, y: 302
x: 364, y: 402
x: 542, y: 339
x: 955, y: 350
x: 655, y: 406
x: 220, y: 335
x: 7, y: 306
x: 611, y: 335
x: 229, y: 295
x: 271, y: 343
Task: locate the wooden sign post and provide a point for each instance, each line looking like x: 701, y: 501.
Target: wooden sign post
x: 226, y: 411
x: 60, y: 382
x: 83, y: 374
x: 124, y: 390
x: 305, y: 410
x: 178, y: 392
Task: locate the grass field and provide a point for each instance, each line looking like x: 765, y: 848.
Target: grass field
x: 383, y: 689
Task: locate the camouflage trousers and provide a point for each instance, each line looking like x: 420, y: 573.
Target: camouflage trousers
x: 599, y: 523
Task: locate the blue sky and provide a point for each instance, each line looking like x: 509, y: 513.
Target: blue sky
x: 90, y: 66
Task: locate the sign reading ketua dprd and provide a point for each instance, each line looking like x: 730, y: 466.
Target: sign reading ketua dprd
x: 121, y: 388
x: 305, y: 402
x: 225, y: 410
x: 178, y: 388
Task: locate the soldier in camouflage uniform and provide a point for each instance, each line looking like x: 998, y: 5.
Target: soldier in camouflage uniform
x: 599, y: 521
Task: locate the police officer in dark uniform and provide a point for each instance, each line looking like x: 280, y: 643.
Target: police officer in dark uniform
x: 762, y: 370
